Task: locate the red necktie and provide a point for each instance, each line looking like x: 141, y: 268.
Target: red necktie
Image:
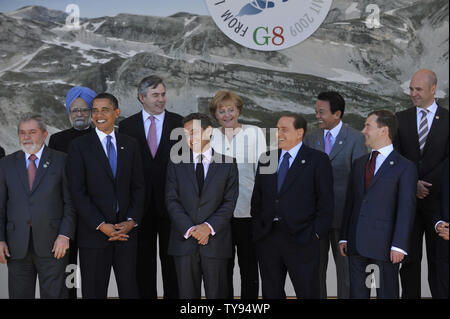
x: 31, y: 170
x: 370, y: 168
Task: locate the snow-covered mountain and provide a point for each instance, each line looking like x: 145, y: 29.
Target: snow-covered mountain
x: 40, y: 59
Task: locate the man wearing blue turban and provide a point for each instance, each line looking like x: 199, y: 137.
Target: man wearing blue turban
x: 79, y: 105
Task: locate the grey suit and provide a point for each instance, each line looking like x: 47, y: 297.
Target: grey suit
x: 186, y: 209
x: 30, y: 222
x: 349, y: 146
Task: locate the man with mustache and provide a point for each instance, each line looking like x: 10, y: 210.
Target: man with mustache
x: 78, y: 105
x: 36, y: 215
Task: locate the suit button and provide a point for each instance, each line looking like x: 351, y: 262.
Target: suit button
x: 276, y: 201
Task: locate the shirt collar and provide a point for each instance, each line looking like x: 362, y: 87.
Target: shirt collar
x: 334, y: 131
x: 102, y: 135
x: 431, y: 109
x: 207, y: 155
x: 293, y: 151
x: 38, y: 154
x: 159, y: 117
x: 385, y: 151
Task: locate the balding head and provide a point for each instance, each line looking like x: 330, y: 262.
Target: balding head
x: 422, y: 88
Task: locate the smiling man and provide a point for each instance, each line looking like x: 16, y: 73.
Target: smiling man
x: 291, y: 210
x: 36, y: 215
x: 343, y: 145
x: 107, y: 186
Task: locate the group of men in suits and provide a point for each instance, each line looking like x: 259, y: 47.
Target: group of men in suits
x: 118, y: 191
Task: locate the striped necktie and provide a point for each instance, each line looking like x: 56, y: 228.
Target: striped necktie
x: 423, y: 130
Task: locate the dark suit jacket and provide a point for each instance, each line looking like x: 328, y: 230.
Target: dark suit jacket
x: 305, y: 202
x: 349, y: 145
x: 441, y: 213
x: 61, y: 141
x: 155, y: 169
x: 430, y: 163
x: 47, y: 207
x: 2, y: 152
x: 215, y: 205
x: 96, y: 193
x: 382, y: 217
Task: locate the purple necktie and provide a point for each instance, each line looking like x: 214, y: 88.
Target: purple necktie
x: 31, y: 170
x: 328, y: 143
x: 151, y: 137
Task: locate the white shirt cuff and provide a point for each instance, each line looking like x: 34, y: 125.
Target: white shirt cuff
x: 212, y: 229
x: 187, y: 235
x: 342, y: 242
x: 435, y: 226
x: 64, y: 236
x: 99, y: 226
x: 399, y: 250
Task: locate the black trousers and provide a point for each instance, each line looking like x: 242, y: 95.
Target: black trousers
x: 95, y: 267
x: 278, y: 254
x: 241, y: 232
x: 385, y: 273
x: 73, y: 260
x: 22, y: 274
x: 410, y: 271
x: 193, y: 268
x: 148, y: 232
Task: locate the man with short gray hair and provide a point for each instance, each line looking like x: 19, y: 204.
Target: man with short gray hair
x: 36, y: 215
x: 152, y: 127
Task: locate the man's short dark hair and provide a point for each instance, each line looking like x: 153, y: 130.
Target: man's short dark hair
x: 386, y: 118
x: 152, y: 82
x: 110, y: 97
x: 299, y: 121
x: 337, y: 102
x: 205, y: 121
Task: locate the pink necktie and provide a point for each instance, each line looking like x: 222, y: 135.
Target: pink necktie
x: 151, y: 136
x: 31, y: 170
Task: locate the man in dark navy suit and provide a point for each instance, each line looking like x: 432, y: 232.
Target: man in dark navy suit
x: 379, y: 211
x: 107, y: 187
x: 292, y: 207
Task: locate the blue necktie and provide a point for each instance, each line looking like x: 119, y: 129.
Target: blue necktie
x: 112, y: 156
x: 282, y: 172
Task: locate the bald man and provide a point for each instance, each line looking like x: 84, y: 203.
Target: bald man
x: 423, y: 138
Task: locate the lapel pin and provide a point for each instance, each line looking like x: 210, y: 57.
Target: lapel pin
x: 46, y: 164
x: 303, y: 161
x: 122, y: 148
x: 391, y: 162
x: 437, y: 117
x: 340, y: 142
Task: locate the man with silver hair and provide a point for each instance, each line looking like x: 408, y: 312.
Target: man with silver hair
x: 36, y: 215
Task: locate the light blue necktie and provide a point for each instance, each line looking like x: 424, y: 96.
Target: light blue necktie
x: 328, y: 143
x: 112, y: 155
x: 282, y: 172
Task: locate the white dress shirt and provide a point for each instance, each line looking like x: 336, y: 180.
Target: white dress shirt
x: 293, y: 152
x: 384, y: 153
x: 102, y: 136
x: 159, y: 121
x: 430, y: 115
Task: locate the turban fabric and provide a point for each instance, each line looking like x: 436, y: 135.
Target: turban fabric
x: 80, y: 91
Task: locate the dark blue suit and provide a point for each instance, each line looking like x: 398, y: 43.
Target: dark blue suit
x: 305, y: 207
x: 376, y: 220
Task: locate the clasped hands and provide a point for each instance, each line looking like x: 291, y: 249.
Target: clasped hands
x: 442, y: 229
x: 201, y: 233
x: 117, y: 232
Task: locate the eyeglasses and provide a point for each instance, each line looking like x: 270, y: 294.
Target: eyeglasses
x: 82, y: 111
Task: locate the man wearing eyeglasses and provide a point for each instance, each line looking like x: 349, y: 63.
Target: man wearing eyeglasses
x: 78, y: 105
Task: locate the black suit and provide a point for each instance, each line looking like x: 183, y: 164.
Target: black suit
x: 304, y: 206
x: 60, y: 141
x: 441, y: 214
x: 429, y: 167
x: 99, y: 197
x: 156, y: 219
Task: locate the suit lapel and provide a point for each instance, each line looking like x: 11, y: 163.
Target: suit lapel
x: 339, y: 143
x: 44, y: 163
x: 213, y: 166
x: 190, y: 171
x: 389, y: 162
x: 296, y: 168
x: 165, y: 134
x: 318, y: 139
x: 22, y: 170
x: 412, y: 129
x: 434, y: 130
x: 141, y: 133
x: 97, y: 149
x: 120, y: 154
